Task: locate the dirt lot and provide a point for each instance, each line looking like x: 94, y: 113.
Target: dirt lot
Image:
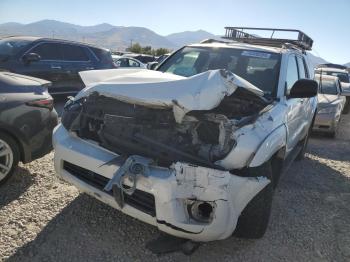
x: 44, y: 219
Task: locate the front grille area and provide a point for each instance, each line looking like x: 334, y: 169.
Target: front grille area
x: 140, y: 200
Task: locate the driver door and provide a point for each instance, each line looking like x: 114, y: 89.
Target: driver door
x: 295, y: 112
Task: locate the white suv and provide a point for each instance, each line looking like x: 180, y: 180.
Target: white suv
x: 196, y: 147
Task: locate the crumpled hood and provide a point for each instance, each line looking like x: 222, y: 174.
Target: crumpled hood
x: 203, y: 91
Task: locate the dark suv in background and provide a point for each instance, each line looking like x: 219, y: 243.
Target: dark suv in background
x: 58, y: 61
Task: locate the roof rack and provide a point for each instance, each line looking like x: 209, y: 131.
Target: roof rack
x: 330, y: 65
x: 303, y: 41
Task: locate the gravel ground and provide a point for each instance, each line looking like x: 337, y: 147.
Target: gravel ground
x: 45, y: 219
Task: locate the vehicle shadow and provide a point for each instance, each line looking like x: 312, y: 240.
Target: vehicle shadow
x: 87, y: 230
x: 13, y: 188
x: 329, y: 148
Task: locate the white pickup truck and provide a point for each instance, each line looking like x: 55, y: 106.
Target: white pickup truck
x: 197, y: 146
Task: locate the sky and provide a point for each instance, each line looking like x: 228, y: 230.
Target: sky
x: 326, y: 22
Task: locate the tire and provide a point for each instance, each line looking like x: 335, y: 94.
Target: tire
x: 254, y: 219
x: 9, y: 157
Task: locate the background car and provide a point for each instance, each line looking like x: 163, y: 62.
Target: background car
x: 330, y: 104
x: 159, y: 60
x: 143, y: 58
x: 58, y: 61
x: 343, y: 75
x: 27, y: 119
x: 129, y: 62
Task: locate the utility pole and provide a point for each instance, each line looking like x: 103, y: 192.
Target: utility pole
x: 53, y: 33
x: 130, y: 43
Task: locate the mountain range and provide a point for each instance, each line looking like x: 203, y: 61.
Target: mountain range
x: 114, y: 37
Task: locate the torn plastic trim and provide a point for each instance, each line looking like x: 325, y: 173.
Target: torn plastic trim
x: 162, y: 222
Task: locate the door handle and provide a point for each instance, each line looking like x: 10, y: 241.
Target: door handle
x: 89, y: 68
x: 56, y: 67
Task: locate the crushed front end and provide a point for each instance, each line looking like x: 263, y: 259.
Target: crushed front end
x: 159, y: 163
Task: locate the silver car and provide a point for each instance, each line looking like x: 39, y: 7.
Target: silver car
x: 330, y: 104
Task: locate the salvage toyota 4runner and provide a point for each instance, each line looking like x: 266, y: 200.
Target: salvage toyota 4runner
x: 197, y: 146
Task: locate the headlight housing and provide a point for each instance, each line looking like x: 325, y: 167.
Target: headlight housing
x: 201, y: 211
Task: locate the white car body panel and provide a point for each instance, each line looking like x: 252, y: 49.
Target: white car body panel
x: 229, y: 193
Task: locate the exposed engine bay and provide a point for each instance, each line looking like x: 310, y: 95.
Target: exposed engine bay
x: 202, y: 137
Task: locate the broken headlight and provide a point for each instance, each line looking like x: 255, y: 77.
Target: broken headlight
x: 70, y: 114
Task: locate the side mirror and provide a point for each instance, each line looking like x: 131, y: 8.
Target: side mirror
x: 345, y: 89
x: 304, y: 88
x: 152, y: 65
x: 31, y: 57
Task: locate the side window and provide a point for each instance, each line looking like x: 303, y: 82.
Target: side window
x: 122, y: 62
x: 292, y: 72
x: 48, y: 51
x: 185, y: 64
x: 133, y: 63
x: 301, y: 66
x: 73, y: 53
x: 306, y: 66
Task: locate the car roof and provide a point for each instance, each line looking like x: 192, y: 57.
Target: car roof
x: 238, y: 45
x: 331, y: 69
x: 54, y: 40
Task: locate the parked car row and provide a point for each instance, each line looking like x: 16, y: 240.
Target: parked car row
x: 333, y: 97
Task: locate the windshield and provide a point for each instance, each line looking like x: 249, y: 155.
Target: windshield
x: 328, y: 88
x: 343, y: 77
x: 259, y: 68
x: 12, y: 47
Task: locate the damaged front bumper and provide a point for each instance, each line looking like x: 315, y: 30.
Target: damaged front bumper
x: 184, y: 200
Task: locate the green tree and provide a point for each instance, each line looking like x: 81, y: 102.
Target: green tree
x: 138, y: 49
x: 135, y: 48
x: 162, y: 51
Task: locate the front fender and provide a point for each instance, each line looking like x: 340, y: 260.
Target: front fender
x: 269, y: 146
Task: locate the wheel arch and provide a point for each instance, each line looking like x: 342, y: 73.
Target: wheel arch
x: 23, y: 148
x: 274, y: 144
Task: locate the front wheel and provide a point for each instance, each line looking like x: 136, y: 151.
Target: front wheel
x: 254, y: 219
x: 9, y: 156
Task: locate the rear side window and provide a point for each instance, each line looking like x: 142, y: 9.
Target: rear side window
x: 104, y: 56
x: 74, y: 53
x: 292, y: 72
x: 133, y: 63
x: 48, y: 51
x: 301, y: 66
